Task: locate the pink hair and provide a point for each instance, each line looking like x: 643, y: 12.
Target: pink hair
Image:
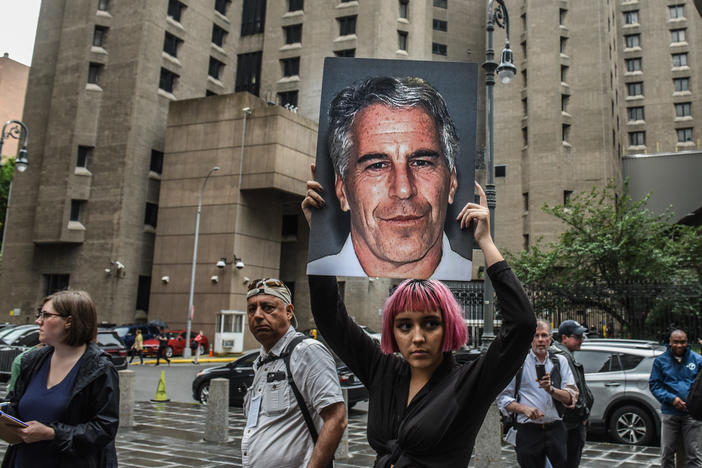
x: 424, y: 295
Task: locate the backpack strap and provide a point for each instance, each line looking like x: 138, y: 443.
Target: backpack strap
x: 556, y: 380
x: 298, y: 396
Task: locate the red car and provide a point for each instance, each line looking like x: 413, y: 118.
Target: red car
x: 176, y: 344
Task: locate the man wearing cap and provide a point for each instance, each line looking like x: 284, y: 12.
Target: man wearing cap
x: 571, y: 335
x: 276, y: 433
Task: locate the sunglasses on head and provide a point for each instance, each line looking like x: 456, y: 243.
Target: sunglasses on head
x: 273, y: 283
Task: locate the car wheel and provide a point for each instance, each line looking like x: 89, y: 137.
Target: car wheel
x: 204, y: 392
x: 631, y: 425
x: 169, y: 352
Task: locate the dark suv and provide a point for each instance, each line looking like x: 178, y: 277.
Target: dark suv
x: 127, y: 333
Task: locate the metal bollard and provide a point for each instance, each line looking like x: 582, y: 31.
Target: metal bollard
x: 488, y: 444
x: 127, y: 378
x: 217, y: 428
x: 342, y: 451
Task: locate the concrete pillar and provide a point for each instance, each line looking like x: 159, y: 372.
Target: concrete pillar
x: 342, y: 451
x: 488, y: 444
x: 126, y: 397
x: 217, y: 428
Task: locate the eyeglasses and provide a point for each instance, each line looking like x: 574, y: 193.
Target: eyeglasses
x: 578, y: 337
x: 274, y: 283
x: 43, y: 315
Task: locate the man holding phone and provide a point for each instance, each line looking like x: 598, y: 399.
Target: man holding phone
x: 537, y: 395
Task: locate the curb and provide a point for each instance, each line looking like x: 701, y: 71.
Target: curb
x: 181, y: 360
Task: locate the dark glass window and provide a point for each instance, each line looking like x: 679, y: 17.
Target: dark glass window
x: 634, y: 89
x: 167, y: 81
x: 564, y: 43
x: 218, y: 35
x: 94, y: 71
x: 637, y: 138
x: 565, y: 132
x: 347, y: 25
x: 440, y: 25
x: 84, y: 154
x: 593, y: 361
x: 291, y: 66
x: 103, y: 5
x: 56, y: 282
x: 564, y: 73
x: 293, y: 34
x: 171, y: 44
x: 684, y: 135
x: 681, y: 84
x: 402, y: 40
x: 156, y: 163
x: 677, y: 35
x: 562, y: 16
x: 566, y: 196
x: 99, y: 36
x: 76, y: 206
x: 404, y: 9
x: 253, y: 17
x: 636, y: 113
x: 288, y: 98
x: 629, y: 361
x: 677, y: 11
x: 215, y: 68
x: 680, y: 60
x: 248, y: 72
x: 289, y: 227
x: 295, y: 5
x: 633, y: 64
x: 222, y: 5
x: 175, y: 9
x: 500, y: 170
x: 631, y: 17
x: 151, y: 214
x: 632, y: 40
x: 210, y: 93
x: 345, y: 53
x: 143, y: 291
x: 441, y: 3
x: 439, y: 49
x: 682, y: 109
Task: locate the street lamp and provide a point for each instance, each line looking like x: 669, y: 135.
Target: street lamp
x: 187, y: 352
x: 496, y: 15
x: 19, y: 131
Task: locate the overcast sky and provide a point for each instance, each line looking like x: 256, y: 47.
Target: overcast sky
x: 18, y: 26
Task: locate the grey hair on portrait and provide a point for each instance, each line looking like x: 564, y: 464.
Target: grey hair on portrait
x: 541, y: 323
x: 400, y: 93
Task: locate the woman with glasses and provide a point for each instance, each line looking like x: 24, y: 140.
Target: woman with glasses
x: 67, y: 391
x: 425, y: 409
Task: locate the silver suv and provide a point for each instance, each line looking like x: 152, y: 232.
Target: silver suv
x: 617, y: 372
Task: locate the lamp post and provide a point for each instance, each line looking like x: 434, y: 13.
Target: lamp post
x: 19, y: 131
x: 187, y: 352
x: 496, y: 15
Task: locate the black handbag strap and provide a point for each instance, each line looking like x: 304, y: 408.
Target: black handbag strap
x: 298, y: 396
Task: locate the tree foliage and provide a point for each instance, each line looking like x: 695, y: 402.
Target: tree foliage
x: 610, y: 243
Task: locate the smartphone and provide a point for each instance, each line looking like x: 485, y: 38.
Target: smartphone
x: 540, y: 371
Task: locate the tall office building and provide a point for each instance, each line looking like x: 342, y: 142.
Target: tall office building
x: 13, y: 84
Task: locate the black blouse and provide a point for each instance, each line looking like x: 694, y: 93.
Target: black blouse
x: 439, y: 426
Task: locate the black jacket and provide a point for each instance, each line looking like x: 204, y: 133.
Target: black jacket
x: 86, y: 436
x: 439, y: 426
x: 574, y: 417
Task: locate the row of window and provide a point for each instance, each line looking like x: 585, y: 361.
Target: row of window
x: 674, y: 12
x: 636, y: 88
x: 150, y: 213
x: 682, y: 109
x: 638, y: 138
x: 634, y: 40
x: 85, y: 154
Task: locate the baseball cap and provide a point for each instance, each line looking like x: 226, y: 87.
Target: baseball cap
x: 571, y: 327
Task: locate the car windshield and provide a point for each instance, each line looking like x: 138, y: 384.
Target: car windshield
x: 172, y: 336
x: 107, y: 339
x: 121, y: 331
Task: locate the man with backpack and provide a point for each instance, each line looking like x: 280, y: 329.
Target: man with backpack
x: 571, y: 335
x: 295, y: 409
x: 537, y: 395
x: 672, y: 375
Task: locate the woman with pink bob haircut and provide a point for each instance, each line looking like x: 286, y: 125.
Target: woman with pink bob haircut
x: 424, y: 408
x: 425, y: 295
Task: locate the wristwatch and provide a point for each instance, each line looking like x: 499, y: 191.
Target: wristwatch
x: 551, y: 390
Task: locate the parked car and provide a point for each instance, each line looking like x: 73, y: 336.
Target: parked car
x: 176, y: 344
x: 111, y: 343
x: 240, y: 374
x: 617, y: 372
x: 372, y: 333
x: 24, y: 336
x: 204, y: 342
x: 127, y: 333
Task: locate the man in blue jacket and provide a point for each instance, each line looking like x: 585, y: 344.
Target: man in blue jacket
x: 672, y: 374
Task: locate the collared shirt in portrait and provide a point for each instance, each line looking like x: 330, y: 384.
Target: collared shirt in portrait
x: 530, y: 394
x: 452, y: 266
x: 280, y: 436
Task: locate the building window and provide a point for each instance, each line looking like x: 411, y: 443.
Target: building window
x: 680, y: 60
x: 676, y: 11
x: 167, y: 81
x: 293, y: 34
x: 347, y: 25
x: 681, y: 84
x: 253, y: 17
x: 288, y: 98
x: 209, y: 93
x: 677, y: 35
x: 156, y: 163
x: 222, y: 5
x: 175, y: 10
x: 524, y: 77
x: 84, y: 154
x: 633, y: 64
x: 562, y: 12
x: 289, y: 226
x: 99, y: 36
x: 567, y: 194
x: 525, y: 107
x: 564, y: 102
x: 439, y: 49
x: 291, y: 66
x: 564, y: 43
x: 632, y: 40
x: 218, y: 35
x: 440, y: 25
x: 634, y: 89
x: 631, y: 17
x: 683, y: 109
x: 525, y: 136
x: 215, y: 68
x: 295, y: 5
x: 441, y: 3
x: 402, y: 40
x: 637, y: 138
x: 684, y: 135
x: 404, y: 9
x: 103, y: 5
x: 151, y: 214
x: 143, y: 292
x: 76, y: 206
x: 565, y: 132
x: 248, y: 72
x: 525, y: 201
x: 94, y: 72
x: 635, y: 113
x: 564, y: 73
x: 56, y: 282
x: 345, y: 53
x: 500, y: 170
x: 526, y: 241
x: 171, y: 44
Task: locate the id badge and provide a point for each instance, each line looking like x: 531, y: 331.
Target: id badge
x: 254, y: 408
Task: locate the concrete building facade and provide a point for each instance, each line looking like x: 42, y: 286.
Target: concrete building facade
x: 13, y: 84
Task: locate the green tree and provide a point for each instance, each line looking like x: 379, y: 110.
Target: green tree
x: 612, y: 246
x: 6, y: 172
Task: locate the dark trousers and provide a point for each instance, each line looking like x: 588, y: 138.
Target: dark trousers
x: 535, y: 442
x: 162, y: 354
x: 136, y: 352
x: 576, y: 443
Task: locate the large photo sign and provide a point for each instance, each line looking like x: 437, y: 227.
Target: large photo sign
x: 395, y: 157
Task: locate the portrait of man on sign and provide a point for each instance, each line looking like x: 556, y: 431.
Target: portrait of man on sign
x: 395, y: 163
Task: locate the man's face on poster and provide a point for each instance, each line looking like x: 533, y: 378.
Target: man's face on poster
x: 397, y: 187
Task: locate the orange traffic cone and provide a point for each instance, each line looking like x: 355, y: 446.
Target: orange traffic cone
x: 161, y: 389
x: 211, y: 353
